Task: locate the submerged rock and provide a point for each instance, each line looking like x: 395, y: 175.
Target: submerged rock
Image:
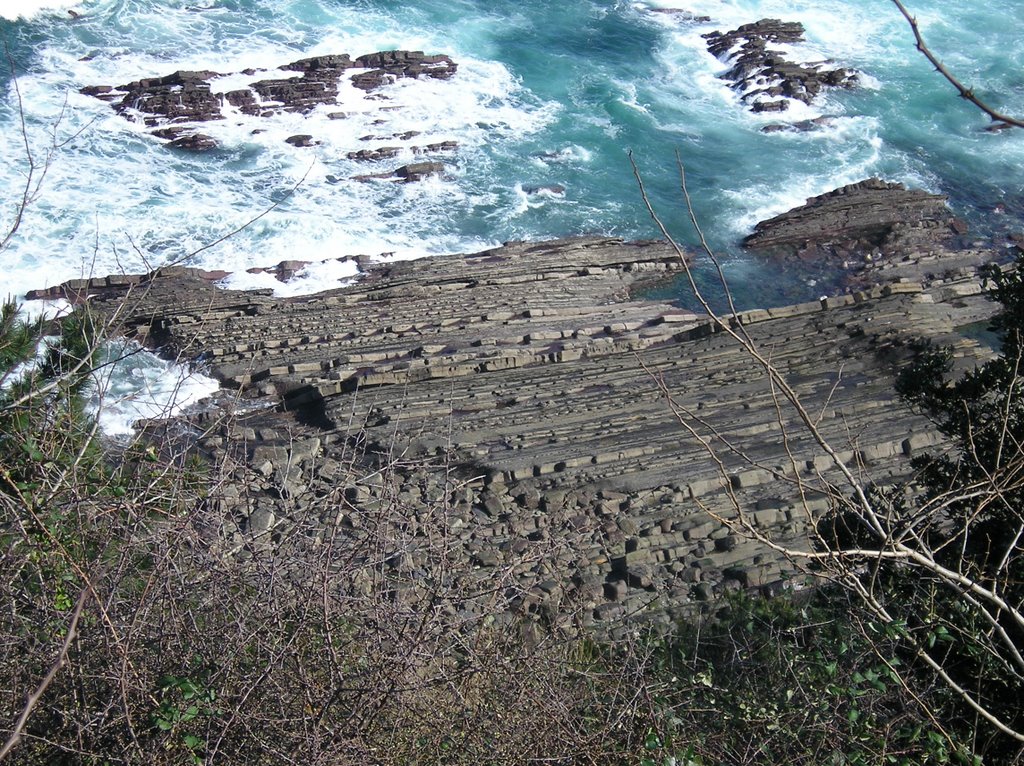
x: 681, y: 14
x: 556, y: 189
x: 803, y: 126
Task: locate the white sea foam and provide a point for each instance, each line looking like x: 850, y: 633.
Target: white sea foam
x: 139, y: 385
x: 312, y: 278
x: 12, y: 10
x: 764, y: 199
x: 129, y: 383
x: 833, y: 28
x: 117, y: 200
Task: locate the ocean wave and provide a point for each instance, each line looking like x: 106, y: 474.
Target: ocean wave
x: 12, y: 10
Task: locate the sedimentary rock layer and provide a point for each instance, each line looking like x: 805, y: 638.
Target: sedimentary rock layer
x: 876, y: 230
x: 574, y: 450
x: 766, y: 80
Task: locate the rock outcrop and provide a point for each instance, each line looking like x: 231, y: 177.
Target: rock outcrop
x: 186, y: 96
x: 766, y: 80
x: 879, y: 231
x: 513, y: 404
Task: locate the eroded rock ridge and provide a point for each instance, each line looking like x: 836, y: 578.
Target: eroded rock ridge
x: 764, y: 77
x: 192, y: 96
x: 518, y: 406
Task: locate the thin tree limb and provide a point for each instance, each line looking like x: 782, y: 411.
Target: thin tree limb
x: 965, y: 93
x: 34, y: 697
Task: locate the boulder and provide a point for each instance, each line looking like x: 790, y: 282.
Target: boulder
x: 441, y: 146
x: 417, y: 171
x: 303, y: 139
x: 194, y: 142
x: 372, y: 155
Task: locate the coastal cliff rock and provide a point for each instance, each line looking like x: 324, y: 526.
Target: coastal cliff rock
x: 763, y: 76
x: 514, y: 404
x: 878, y: 230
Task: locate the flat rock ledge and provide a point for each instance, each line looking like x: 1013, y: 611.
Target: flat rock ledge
x: 507, y: 414
x: 877, y: 231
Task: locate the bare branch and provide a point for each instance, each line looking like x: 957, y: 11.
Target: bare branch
x: 965, y: 92
x: 35, y: 696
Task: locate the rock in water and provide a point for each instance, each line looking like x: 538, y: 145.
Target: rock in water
x: 417, y: 171
x: 861, y: 215
x: 764, y: 77
x: 876, y: 231
x: 187, y: 96
x: 194, y: 142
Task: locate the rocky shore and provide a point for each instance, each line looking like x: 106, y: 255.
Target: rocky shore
x: 575, y: 449
x: 877, y: 232
x: 176, y: 105
x: 765, y: 79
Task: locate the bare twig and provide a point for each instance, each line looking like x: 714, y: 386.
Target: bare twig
x: 35, y: 696
x: 966, y: 93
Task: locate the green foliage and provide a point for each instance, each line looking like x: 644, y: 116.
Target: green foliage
x: 795, y: 682
x: 968, y: 514
x: 43, y: 422
x: 183, y: 703
x: 18, y: 339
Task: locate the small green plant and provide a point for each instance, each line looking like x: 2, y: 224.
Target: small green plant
x: 183, y: 704
x: 791, y: 680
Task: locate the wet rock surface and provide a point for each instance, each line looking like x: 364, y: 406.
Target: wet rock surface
x: 416, y: 171
x: 187, y: 96
x: 877, y: 230
x: 764, y: 77
x: 508, y: 409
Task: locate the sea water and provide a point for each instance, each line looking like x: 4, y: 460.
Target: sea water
x: 547, y: 94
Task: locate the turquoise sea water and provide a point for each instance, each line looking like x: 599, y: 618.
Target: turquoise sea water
x: 547, y: 93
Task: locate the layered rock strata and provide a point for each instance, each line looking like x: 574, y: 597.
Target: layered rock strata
x: 879, y: 231
x: 512, y: 422
x: 764, y: 77
x: 191, y: 97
